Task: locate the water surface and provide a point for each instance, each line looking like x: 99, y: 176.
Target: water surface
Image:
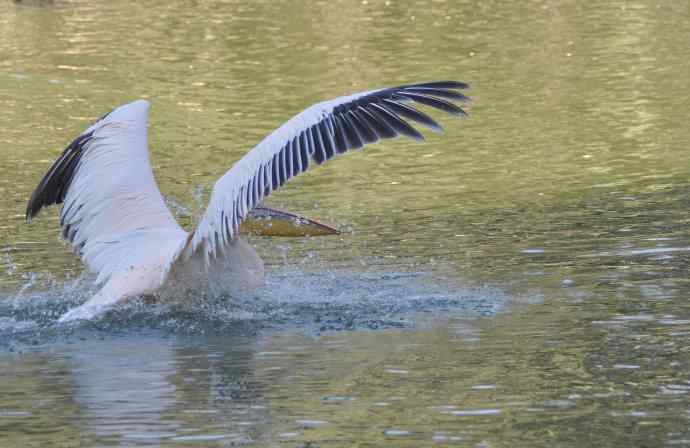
x: 520, y: 280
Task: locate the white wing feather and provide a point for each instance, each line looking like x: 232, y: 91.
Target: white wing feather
x: 113, y: 213
x: 116, y: 218
x: 317, y: 134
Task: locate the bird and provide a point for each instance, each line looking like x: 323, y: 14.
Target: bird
x: 117, y: 221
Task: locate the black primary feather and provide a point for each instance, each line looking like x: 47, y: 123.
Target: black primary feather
x: 56, y: 182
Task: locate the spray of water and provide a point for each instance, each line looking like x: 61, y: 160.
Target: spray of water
x: 314, y: 301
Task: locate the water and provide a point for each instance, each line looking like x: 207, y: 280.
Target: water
x: 520, y: 280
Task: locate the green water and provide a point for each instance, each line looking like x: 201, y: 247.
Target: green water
x: 557, y: 212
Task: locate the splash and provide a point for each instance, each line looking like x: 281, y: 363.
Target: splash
x: 314, y: 301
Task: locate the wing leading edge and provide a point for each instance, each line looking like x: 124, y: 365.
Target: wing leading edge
x: 314, y: 136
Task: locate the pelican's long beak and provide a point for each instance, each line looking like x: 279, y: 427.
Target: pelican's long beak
x: 273, y: 222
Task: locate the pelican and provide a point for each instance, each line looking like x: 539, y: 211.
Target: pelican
x: 116, y: 219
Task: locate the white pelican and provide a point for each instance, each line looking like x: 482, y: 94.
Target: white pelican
x: 117, y: 220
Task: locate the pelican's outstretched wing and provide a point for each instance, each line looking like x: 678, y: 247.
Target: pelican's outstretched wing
x: 316, y: 135
x: 113, y: 212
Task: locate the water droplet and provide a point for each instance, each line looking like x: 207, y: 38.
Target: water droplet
x: 311, y: 423
x: 532, y: 251
x: 337, y: 398
x: 396, y: 433
x: 475, y: 412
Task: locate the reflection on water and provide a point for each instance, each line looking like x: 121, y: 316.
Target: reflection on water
x: 457, y: 380
x: 123, y: 389
x: 551, y: 228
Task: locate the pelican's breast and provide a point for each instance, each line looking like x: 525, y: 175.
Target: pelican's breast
x: 237, y: 271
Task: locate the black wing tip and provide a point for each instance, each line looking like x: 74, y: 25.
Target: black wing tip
x: 54, y: 185
x: 442, y: 89
x: 459, y: 85
x: 36, y: 202
x: 31, y: 211
x: 438, y: 129
x: 389, y: 122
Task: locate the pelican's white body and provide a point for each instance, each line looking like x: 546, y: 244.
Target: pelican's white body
x: 238, y: 271
x: 116, y: 218
x: 129, y: 237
